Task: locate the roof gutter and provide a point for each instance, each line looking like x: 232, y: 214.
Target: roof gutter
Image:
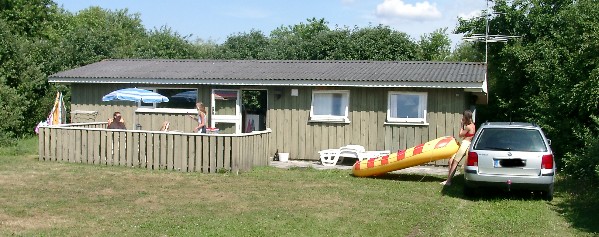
x: 468, y: 86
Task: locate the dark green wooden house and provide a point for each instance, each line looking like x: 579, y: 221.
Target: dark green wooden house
x: 308, y: 105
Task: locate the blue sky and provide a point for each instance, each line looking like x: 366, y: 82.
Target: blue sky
x: 215, y: 20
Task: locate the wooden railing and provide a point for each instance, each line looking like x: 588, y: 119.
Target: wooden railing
x: 91, y: 143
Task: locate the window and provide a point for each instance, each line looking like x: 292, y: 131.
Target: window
x: 329, y: 106
x: 407, y: 107
x: 511, y: 139
x: 178, y: 99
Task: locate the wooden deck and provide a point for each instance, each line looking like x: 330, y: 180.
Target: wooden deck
x: 91, y: 143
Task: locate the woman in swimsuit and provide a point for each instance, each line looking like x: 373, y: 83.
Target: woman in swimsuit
x: 201, y: 128
x: 467, y: 129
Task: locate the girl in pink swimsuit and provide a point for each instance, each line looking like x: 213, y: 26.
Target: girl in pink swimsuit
x: 467, y: 130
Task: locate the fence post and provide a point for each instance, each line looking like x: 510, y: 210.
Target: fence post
x: 40, y: 142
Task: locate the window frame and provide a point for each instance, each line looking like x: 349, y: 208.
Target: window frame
x: 331, y: 118
x: 422, y: 104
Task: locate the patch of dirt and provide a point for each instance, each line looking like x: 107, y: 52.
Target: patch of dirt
x: 104, y: 192
x: 151, y: 202
x: 29, y: 223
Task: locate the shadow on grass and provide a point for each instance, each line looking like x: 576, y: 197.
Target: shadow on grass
x: 579, y: 203
x: 456, y: 190
x: 409, y: 177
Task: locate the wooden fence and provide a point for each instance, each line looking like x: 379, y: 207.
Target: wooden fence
x: 91, y: 143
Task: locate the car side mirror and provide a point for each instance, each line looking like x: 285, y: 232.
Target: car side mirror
x: 549, y: 141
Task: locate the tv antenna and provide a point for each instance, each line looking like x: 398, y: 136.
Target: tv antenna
x: 486, y: 37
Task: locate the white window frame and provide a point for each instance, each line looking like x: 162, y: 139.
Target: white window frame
x: 331, y: 118
x: 423, y: 100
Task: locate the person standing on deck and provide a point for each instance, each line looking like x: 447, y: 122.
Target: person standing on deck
x: 201, y: 118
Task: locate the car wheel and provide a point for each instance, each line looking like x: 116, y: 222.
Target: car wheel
x: 548, y: 194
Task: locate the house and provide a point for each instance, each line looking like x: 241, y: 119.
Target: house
x: 309, y: 105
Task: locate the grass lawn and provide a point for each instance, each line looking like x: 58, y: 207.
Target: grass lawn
x: 67, y: 199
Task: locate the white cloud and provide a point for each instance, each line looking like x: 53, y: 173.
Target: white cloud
x: 394, y: 10
x: 470, y: 15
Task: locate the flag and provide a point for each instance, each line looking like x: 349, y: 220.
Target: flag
x: 55, y: 116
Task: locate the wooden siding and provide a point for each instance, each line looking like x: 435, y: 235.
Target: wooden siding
x: 288, y: 117
x: 186, y: 152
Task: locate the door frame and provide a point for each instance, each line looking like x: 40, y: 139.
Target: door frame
x: 235, y: 119
x: 266, y: 90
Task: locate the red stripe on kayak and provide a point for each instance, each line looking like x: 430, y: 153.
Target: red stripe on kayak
x: 443, y: 142
x: 357, y: 165
x: 370, y: 163
x: 401, y: 154
x: 418, y: 149
x: 385, y: 160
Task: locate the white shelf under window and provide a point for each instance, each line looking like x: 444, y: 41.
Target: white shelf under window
x: 406, y: 123
x: 84, y: 112
x: 317, y: 120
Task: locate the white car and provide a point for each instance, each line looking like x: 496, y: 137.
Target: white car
x: 510, y: 155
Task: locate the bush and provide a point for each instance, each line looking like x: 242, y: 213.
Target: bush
x: 585, y: 163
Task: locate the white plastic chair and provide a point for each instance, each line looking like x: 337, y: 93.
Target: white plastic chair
x: 331, y: 157
x: 358, y: 152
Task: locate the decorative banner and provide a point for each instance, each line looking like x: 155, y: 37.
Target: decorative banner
x: 56, y: 115
x: 57, y: 110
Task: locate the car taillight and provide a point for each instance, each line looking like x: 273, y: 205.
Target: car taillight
x: 547, y: 161
x: 472, y: 159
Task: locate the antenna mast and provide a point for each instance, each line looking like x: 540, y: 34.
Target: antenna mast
x: 486, y: 37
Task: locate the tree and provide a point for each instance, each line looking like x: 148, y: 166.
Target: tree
x: 37, y: 39
x: 206, y: 48
x: 163, y: 43
x: 253, y: 45
x: 314, y: 40
x: 96, y: 34
x: 24, y: 49
x: 298, y: 42
x: 381, y: 43
x: 435, y: 46
x: 466, y: 52
x: 549, y: 75
x: 28, y: 18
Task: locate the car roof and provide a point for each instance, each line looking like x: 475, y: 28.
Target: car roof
x: 510, y: 124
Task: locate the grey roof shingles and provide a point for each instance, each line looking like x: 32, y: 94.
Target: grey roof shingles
x: 359, y: 71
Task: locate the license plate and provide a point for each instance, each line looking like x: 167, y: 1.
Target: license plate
x: 512, y: 163
x: 496, y: 164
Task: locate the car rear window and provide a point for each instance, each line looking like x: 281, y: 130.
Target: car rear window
x: 510, y: 139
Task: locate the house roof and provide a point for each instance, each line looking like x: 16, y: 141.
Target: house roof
x: 280, y: 72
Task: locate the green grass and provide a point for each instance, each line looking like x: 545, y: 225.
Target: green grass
x: 67, y: 199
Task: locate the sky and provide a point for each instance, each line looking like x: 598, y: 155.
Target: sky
x: 216, y: 20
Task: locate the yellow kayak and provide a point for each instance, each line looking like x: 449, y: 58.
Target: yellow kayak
x: 440, y: 148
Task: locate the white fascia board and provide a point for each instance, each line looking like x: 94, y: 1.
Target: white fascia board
x: 476, y: 86
x: 485, y: 89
